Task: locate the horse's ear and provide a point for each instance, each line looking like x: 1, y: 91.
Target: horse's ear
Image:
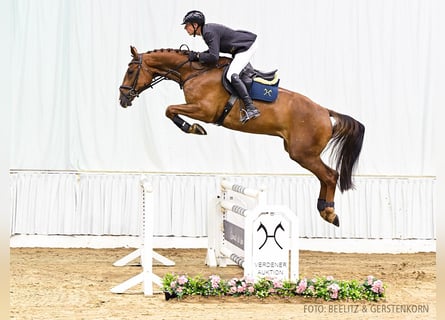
x: 134, y: 51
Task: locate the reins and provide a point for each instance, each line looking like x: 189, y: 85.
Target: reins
x: 132, y: 92
x: 179, y: 79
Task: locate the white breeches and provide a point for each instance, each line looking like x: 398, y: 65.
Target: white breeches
x: 240, y: 60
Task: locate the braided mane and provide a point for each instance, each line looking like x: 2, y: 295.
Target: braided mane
x: 168, y: 50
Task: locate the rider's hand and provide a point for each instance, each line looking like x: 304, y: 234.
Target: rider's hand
x: 193, y: 56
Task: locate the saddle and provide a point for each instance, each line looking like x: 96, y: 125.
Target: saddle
x: 251, y: 77
x: 260, y: 85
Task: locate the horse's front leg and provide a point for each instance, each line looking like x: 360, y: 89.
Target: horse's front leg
x: 188, y: 110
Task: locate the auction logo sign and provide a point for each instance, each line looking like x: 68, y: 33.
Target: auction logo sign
x: 271, y: 234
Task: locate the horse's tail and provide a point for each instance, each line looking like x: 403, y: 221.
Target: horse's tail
x: 346, y: 143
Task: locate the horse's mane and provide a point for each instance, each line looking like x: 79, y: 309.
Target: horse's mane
x: 181, y: 51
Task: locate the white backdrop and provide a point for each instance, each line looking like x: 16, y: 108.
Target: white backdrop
x: 375, y: 60
x: 372, y: 60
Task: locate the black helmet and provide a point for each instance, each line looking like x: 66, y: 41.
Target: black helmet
x: 194, y: 16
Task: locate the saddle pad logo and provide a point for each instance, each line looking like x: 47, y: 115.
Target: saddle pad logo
x: 268, y: 92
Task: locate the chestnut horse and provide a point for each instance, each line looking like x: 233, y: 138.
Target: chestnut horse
x: 305, y: 126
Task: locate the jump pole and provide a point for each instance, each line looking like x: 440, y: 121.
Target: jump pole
x: 146, y: 253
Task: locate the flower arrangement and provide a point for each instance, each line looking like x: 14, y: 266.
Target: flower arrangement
x: 327, y: 288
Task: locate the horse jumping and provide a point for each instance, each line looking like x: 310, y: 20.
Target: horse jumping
x: 304, y: 126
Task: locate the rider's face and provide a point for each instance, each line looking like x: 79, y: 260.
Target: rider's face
x: 189, y: 28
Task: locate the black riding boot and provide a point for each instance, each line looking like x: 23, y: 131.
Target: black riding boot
x: 249, y: 111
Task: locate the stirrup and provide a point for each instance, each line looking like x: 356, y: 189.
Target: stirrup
x: 246, y: 115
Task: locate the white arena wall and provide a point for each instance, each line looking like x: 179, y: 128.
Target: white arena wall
x: 75, y: 203
x: 77, y: 156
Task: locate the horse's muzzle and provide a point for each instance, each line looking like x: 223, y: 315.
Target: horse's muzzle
x: 124, y: 101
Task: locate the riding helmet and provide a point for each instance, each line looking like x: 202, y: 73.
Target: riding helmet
x: 194, y: 16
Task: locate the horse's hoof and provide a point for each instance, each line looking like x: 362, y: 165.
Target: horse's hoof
x: 197, y: 129
x: 329, y: 215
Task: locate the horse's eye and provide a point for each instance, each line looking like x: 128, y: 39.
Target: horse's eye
x: 130, y: 71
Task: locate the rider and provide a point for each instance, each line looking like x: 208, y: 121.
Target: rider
x: 219, y: 38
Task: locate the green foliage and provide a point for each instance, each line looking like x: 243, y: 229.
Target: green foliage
x: 326, y: 288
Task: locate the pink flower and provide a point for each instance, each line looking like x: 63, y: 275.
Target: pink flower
x: 277, y: 284
x: 179, y: 289
x: 250, y: 289
x: 241, y: 288
x: 377, y: 287
x: 182, y: 280
x: 329, y: 278
x: 302, y: 285
x: 215, y: 281
x: 370, y: 280
x: 333, y: 289
x: 232, y: 281
x: 232, y: 289
x: 215, y: 278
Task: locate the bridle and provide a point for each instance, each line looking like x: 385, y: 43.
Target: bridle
x: 132, y: 93
x: 157, y: 78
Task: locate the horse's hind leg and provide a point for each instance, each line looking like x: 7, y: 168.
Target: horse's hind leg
x: 325, y: 202
x: 328, y: 182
